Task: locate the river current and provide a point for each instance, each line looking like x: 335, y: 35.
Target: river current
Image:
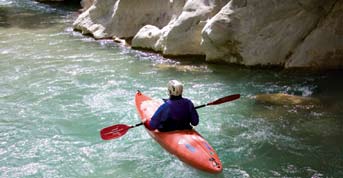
x: 58, y: 89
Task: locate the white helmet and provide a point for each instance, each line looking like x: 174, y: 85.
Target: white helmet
x: 175, y: 88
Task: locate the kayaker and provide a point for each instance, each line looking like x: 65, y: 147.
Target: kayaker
x: 177, y: 113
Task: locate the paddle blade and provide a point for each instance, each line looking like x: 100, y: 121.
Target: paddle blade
x: 114, y: 131
x: 225, y: 99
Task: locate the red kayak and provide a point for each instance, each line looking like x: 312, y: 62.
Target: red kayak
x: 188, y: 145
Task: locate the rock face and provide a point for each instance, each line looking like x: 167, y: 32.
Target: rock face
x: 182, y: 35
x: 324, y: 45
x: 257, y: 32
x: 86, y: 4
x: 302, y: 33
x: 123, y: 19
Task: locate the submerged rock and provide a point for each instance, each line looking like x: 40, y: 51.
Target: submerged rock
x: 286, y: 99
x: 182, y: 68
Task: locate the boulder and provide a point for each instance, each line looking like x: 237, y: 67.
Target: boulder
x: 182, y: 36
x: 286, y: 99
x: 96, y: 19
x: 147, y: 37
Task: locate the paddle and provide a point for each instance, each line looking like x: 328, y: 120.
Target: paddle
x: 221, y: 100
x: 119, y: 130
x: 116, y: 131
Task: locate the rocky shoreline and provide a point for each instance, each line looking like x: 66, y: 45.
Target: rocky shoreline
x: 287, y: 34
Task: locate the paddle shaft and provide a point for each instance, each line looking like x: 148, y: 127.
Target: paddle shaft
x: 136, y: 125
x: 201, y: 106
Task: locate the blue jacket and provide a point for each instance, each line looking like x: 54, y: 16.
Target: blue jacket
x: 176, y: 113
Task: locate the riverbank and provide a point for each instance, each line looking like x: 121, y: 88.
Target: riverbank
x: 303, y: 35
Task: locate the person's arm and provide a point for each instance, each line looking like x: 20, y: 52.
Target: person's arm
x: 160, y: 115
x: 147, y: 125
x: 194, y: 115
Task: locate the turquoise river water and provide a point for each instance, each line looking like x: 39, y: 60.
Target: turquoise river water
x: 58, y: 89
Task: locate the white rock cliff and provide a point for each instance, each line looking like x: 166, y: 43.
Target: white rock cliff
x: 295, y: 33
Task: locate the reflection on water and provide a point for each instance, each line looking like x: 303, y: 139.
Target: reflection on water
x: 31, y: 15
x: 25, y: 20
x: 58, y: 89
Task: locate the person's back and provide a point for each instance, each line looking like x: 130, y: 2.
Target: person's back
x: 177, y: 113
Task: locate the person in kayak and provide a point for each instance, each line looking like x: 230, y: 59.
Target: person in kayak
x: 176, y: 113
